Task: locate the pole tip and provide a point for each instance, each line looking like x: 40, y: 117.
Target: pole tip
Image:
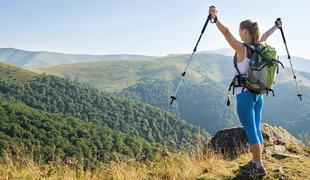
x: 172, y: 99
x: 299, y: 95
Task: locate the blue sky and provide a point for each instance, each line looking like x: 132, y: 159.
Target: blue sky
x: 144, y: 27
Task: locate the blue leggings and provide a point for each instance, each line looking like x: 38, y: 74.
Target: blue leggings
x: 250, y: 115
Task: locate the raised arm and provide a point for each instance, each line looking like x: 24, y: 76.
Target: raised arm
x: 266, y: 35
x: 233, y: 42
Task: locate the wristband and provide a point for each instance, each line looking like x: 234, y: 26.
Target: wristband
x: 214, y: 20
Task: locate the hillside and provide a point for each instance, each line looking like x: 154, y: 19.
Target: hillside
x: 72, y: 121
x: 202, y: 96
x: 132, y: 77
x: 51, y: 94
x: 49, y: 135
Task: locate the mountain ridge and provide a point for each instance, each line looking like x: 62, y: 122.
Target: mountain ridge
x: 34, y: 59
x: 25, y: 58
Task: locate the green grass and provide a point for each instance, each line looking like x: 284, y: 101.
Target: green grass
x: 13, y: 73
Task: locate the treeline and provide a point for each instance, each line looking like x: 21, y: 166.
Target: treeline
x: 48, y: 136
x: 154, y: 92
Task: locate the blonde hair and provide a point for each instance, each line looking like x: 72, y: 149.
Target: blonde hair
x: 253, y: 29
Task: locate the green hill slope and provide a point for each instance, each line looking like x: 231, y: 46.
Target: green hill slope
x: 49, y: 135
x: 56, y: 95
x: 136, y: 78
x: 202, y: 97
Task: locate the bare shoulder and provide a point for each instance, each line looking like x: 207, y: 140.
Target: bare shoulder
x: 240, y: 53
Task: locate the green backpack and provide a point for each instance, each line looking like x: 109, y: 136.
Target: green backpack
x: 264, y: 65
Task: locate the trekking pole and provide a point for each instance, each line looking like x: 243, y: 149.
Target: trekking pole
x: 190, y: 59
x: 289, y: 58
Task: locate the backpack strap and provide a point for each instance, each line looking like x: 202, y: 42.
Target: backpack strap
x: 250, y: 46
x: 271, y: 90
x: 235, y: 63
x: 237, y: 78
x: 232, y: 84
x: 235, y: 58
x: 279, y: 62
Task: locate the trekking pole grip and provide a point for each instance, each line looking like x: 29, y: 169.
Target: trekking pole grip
x: 284, y: 40
x: 282, y: 33
x: 276, y: 22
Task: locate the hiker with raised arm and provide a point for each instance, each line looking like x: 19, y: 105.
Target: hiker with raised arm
x: 249, y: 96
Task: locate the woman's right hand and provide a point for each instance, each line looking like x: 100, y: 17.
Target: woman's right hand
x: 278, y: 23
x: 212, y: 12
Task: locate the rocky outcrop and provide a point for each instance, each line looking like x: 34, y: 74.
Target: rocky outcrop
x: 233, y: 141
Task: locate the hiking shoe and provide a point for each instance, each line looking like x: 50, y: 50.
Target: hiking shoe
x: 260, y: 171
x: 250, y: 169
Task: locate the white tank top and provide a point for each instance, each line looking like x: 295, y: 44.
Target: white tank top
x: 243, y: 67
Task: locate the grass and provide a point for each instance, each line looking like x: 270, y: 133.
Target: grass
x: 182, y: 165
x: 13, y: 73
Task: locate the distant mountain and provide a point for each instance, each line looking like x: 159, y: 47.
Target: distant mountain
x: 202, y: 96
x: 35, y: 59
x: 300, y: 64
x: 44, y: 59
x: 221, y: 51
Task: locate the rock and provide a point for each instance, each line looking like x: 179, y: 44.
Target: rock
x: 284, y: 156
x: 281, y: 173
x: 233, y: 141
x: 230, y: 142
x: 277, y: 135
x: 270, y: 149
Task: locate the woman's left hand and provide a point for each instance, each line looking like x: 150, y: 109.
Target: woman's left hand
x: 213, y: 12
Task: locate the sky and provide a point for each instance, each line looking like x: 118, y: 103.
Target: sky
x: 157, y: 27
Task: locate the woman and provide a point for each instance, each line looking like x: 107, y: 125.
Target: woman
x: 249, y: 111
